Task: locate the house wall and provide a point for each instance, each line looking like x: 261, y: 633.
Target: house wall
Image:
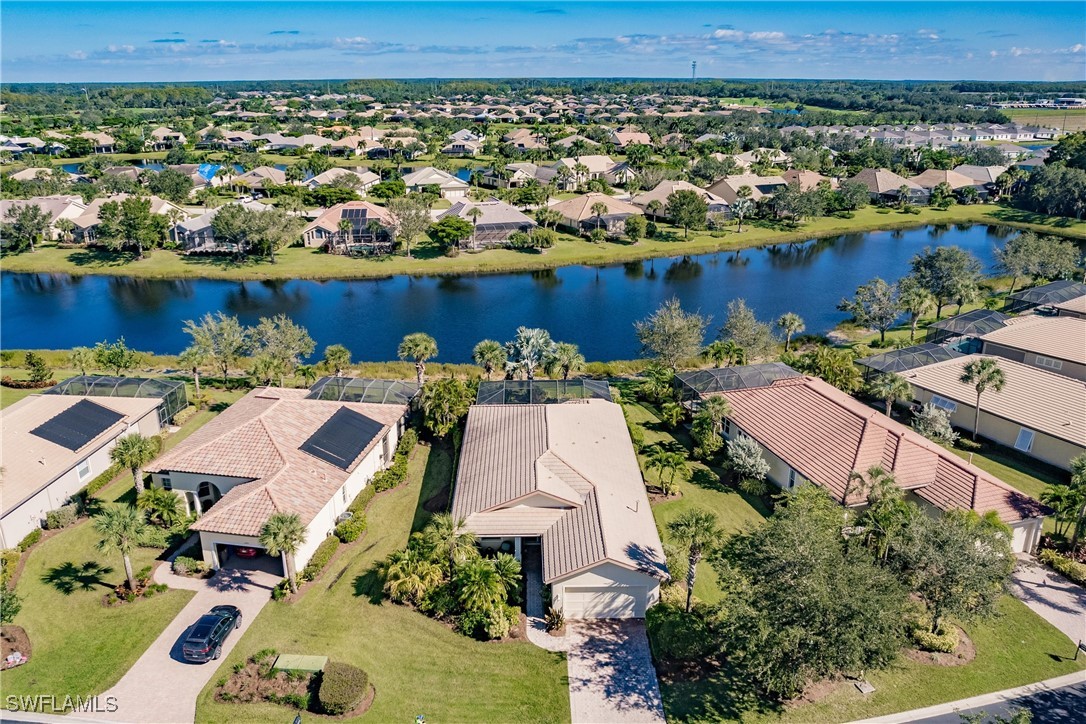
x: 780, y: 472
x: 568, y: 595
x: 1075, y: 370
x: 1046, y: 448
x: 1025, y: 534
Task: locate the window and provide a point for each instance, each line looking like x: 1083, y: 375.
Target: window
x: 944, y: 404
x: 384, y: 449
x: 791, y: 478
x: 1050, y: 363
x: 727, y: 427
x: 1025, y: 440
x: 83, y: 470
x: 166, y: 484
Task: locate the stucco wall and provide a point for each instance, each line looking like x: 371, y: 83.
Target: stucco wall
x: 606, y: 575
x: 1074, y: 370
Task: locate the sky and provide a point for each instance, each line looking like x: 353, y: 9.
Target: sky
x: 154, y: 40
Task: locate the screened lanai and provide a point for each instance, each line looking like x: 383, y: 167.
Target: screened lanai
x: 541, y: 392
x: 696, y: 385
x: 907, y: 358
x: 970, y: 324
x: 171, y: 392
x: 363, y: 389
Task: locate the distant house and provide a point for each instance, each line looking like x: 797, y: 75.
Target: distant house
x: 361, y: 180
x: 806, y: 180
x: 885, y: 186
x: 260, y: 178
x: 1075, y: 307
x: 665, y: 189
x: 370, y: 225
x: 981, y: 175
x: 163, y: 138
x: 760, y: 186
x: 462, y: 148
x: 568, y: 141
x: 198, y: 235
x: 623, y: 138
x: 578, y: 214
x: 86, y: 225
x: 580, y: 169
x: 1057, y: 344
x: 933, y: 177
x: 517, y: 175
x: 60, y: 206
x: 102, y: 142
x: 450, y: 186
x: 493, y: 225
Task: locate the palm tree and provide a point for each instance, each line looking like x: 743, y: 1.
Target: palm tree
x: 790, y: 323
x: 122, y: 527
x: 715, y: 408
x: 886, y: 512
x: 346, y: 227
x: 410, y: 574
x: 161, y: 506
x: 982, y: 374
x: 65, y: 227
x: 727, y: 351
x: 742, y: 208
x: 132, y: 452
x: 914, y: 299
x: 337, y: 358
x: 448, y: 536
x: 474, y: 213
x: 598, y: 210
x: 528, y: 350
x: 490, y: 355
x: 696, y: 529
x: 192, y: 358
x: 508, y: 570
x: 890, y: 388
x: 654, y: 208
x: 282, y: 534
x: 565, y: 359
x: 479, y: 587
x: 670, y: 464
x: 418, y: 347
x: 308, y: 373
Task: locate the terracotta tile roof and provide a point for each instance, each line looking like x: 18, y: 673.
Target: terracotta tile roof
x: 1059, y: 337
x: 258, y: 439
x: 825, y: 435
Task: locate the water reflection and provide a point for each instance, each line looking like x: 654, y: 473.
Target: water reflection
x: 683, y: 270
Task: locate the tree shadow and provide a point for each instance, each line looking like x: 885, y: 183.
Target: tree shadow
x: 370, y: 586
x: 713, y: 693
x: 709, y: 480
x: 435, y: 478
x: 68, y: 577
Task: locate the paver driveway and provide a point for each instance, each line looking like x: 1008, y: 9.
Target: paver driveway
x: 611, y: 676
x: 1051, y: 596
x: 161, y: 687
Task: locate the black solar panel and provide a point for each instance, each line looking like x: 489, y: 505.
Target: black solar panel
x: 340, y: 440
x: 78, y: 425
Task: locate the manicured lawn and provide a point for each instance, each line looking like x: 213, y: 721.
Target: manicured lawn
x: 417, y: 665
x: 301, y: 263
x: 1068, y: 120
x: 1030, y: 479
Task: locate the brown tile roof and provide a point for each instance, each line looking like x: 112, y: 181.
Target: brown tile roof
x: 825, y: 435
x: 258, y: 438
x: 1059, y: 337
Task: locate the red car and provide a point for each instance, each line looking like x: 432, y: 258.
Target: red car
x: 246, y: 552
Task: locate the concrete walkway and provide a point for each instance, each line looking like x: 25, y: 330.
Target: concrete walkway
x: 533, y: 603
x: 611, y: 676
x: 1052, y: 597
x: 161, y: 687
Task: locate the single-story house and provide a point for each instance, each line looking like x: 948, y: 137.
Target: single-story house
x: 933, y: 177
x: 359, y: 179
x: 163, y: 138
x: 260, y: 178
x: 1043, y: 295
x: 1075, y: 307
x: 370, y: 224
x: 563, y: 481
x: 806, y: 180
x: 665, y: 188
x: 468, y: 147
x: 198, y: 234
x: 579, y: 169
x: 494, y: 224
x: 516, y: 175
x: 60, y: 206
x: 981, y: 175
x: 1039, y: 413
x: 450, y: 186
x: 622, y: 138
x: 86, y: 225
x: 812, y: 432
x: 277, y: 450
x: 103, y: 142
x: 885, y: 185
x: 1057, y: 344
x: 761, y: 187
x: 577, y: 213
x: 53, y: 445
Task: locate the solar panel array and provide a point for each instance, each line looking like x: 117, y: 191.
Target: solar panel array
x: 170, y: 391
x: 78, y: 425
x: 342, y: 438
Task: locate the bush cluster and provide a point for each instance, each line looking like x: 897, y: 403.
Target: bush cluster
x: 185, y: 566
x: 14, y: 384
x: 102, y: 480
x: 342, y: 688
x: 350, y: 530
x: 9, y: 561
x: 396, y: 474
x: 677, y: 635
x: 184, y: 415
x: 31, y: 538
x: 62, y: 517
x: 945, y: 640
x: 1066, y: 567
x: 281, y: 590
x: 320, y: 558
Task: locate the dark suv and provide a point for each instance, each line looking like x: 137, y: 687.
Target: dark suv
x: 206, y: 637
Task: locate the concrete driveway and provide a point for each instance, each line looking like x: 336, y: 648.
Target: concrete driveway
x: 1052, y: 597
x: 161, y: 687
x: 611, y: 676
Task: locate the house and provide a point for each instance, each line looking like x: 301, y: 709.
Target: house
x: 665, y: 188
x: 567, y: 142
x: 260, y: 178
x: 86, y: 225
x: 60, y: 206
x: 761, y: 187
x: 277, y: 450
x: 968, y: 326
x: 358, y: 179
x: 1044, y: 295
x: 580, y: 169
x: 981, y: 175
x: 1039, y: 413
x: 578, y: 213
x: 463, y: 148
x: 1057, y: 344
x: 812, y: 432
x: 1075, y: 307
x: 494, y: 223
x: 561, y: 481
x: 53, y: 445
x: 163, y: 138
x: 622, y: 138
x: 933, y: 177
x: 103, y: 142
x: 806, y: 180
x: 449, y: 186
x: 517, y: 175
x: 198, y: 234
x: 884, y: 185
x: 370, y: 225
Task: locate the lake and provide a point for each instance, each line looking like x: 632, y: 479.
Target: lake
x: 594, y: 307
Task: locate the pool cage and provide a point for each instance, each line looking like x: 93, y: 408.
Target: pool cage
x: 971, y: 324
x: 541, y: 392
x: 1055, y: 292
x: 907, y: 358
x: 696, y: 385
x: 362, y: 389
x: 171, y: 392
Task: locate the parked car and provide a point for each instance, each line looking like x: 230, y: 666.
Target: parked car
x: 244, y: 552
x: 205, y: 639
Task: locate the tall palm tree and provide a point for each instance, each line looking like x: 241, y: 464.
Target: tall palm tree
x: 161, y: 506
x: 742, y: 208
x: 890, y: 388
x: 790, y: 323
x: 696, y: 529
x: 982, y: 374
x: 282, y: 534
x: 418, y: 347
x: 474, y: 213
x: 346, y: 227
x: 598, y: 210
x: 727, y: 351
x: 670, y: 465
x: 565, y: 359
x: 915, y: 300
x: 132, y: 452
x: 192, y: 359
x: 478, y: 585
x: 716, y: 353
x: 490, y: 355
x: 654, y: 208
x: 715, y: 408
x: 410, y: 574
x: 531, y: 348
x: 122, y: 527
x: 450, y: 537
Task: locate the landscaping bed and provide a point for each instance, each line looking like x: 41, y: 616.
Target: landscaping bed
x: 13, y: 639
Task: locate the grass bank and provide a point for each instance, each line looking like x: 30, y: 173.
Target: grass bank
x: 302, y: 263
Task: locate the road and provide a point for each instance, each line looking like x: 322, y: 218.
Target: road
x: 1058, y: 706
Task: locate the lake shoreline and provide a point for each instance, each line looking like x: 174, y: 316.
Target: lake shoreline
x: 307, y: 264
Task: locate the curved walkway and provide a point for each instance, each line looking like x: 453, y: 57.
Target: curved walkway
x: 1051, y: 596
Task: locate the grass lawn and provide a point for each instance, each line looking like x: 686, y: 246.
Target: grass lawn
x: 417, y: 665
x: 302, y: 263
x: 1068, y: 119
x: 1016, y: 472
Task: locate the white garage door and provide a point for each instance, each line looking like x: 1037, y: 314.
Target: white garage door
x: 609, y: 602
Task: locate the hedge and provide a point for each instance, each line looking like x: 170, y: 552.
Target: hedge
x: 9, y: 561
x: 349, y: 530
x: 184, y: 415
x: 343, y: 687
x: 103, y: 479
x: 320, y: 558
x: 358, y: 505
x: 31, y: 538
x: 7, y: 381
x: 1066, y: 567
x: 62, y: 517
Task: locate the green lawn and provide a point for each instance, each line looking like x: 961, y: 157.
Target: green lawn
x: 302, y: 263
x: 417, y: 665
x: 1016, y: 472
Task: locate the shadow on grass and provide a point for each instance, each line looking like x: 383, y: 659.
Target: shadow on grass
x: 370, y: 586
x: 1020, y: 216
x: 68, y: 577
x: 436, y: 478
x: 712, y: 694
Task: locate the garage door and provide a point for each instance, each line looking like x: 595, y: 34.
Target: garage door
x: 609, y: 602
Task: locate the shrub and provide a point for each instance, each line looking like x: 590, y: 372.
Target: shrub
x: 470, y: 623
x: 298, y: 701
x: 969, y: 445
x: 10, y: 604
x: 637, y: 437
x: 440, y: 601
x: 945, y: 640
x: 358, y: 505
x: 350, y: 530
x: 102, y: 480
x: 144, y: 575
x: 62, y: 517
x: 1066, y: 567
x: 155, y: 537
x: 9, y: 561
x: 554, y: 619
x: 14, y: 384
x: 599, y: 370
x: 342, y: 688
x: 31, y: 538
x: 281, y: 590
x: 677, y: 635
x: 407, y: 442
x: 185, y: 566
x: 320, y: 558
x: 185, y: 415
x: 263, y: 654
x: 501, y: 621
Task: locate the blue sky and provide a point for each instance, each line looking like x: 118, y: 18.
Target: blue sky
x: 150, y: 40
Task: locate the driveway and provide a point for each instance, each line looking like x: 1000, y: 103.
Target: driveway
x: 611, y: 676
x: 1052, y: 597
x: 161, y: 687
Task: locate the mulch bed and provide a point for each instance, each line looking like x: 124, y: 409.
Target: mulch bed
x: 14, y: 638
x: 961, y: 656
x: 248, y: 685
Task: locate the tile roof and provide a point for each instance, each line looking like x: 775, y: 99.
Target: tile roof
x: 1059, y: 337
x: 579, y: 208
x: 258, y: 439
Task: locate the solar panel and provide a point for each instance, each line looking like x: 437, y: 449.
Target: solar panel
x: 78, y: 425
x: 342, y: 438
